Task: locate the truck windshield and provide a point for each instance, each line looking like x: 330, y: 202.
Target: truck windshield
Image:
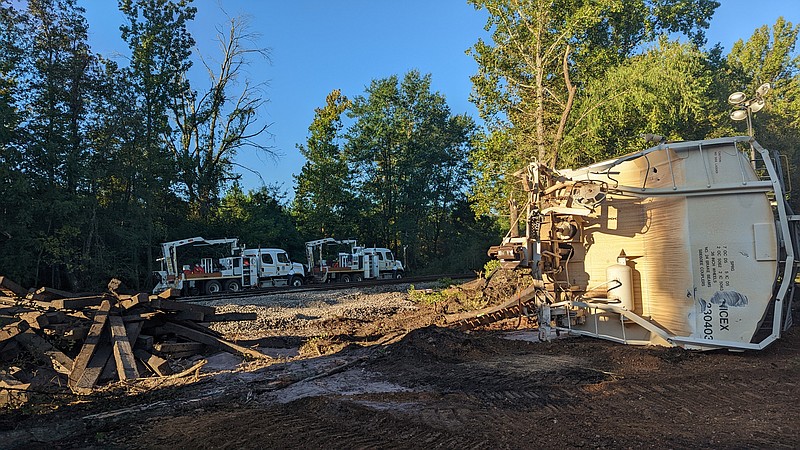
x: 389, y: 256
x: 282, y: 257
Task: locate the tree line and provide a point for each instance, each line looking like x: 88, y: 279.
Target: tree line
x: 101, y: 161
x: 397, y: 176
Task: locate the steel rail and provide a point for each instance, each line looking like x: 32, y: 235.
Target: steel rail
x: 259, y: 292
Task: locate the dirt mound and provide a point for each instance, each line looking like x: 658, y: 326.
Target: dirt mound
x: 443, y: 345
x: 450, y: 359
x: 480, y: 293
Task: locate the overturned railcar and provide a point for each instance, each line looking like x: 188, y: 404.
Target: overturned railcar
x: 687, y: 244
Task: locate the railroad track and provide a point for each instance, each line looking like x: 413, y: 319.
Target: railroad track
x: 319, y: 287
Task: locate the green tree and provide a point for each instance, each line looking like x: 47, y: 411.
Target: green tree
x: 60, y: 77
x: 541, y: 58
x: 769, y: 56
x: 156, y: 32
x: 259, y: 218
x: 668, y: 90
x: 125, y: 220
x: 15, y: 245
x: 409, y: 156
x: 324, y: 203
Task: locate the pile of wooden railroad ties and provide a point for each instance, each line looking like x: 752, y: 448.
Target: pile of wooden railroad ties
x: 52, y: 340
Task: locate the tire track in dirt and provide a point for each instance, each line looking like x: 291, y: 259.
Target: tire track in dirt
x: 322, y: 423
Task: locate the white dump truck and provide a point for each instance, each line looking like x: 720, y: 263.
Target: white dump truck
x: 209, y: 266
x: 331, y: 260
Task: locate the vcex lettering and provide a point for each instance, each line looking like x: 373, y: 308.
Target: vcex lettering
x: 724, y: 323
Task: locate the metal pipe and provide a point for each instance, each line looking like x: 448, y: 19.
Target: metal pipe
x: 671, y: 171
x: 705, y: 165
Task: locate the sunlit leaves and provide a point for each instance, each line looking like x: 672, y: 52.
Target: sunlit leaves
x: 324, y: 199
x: 543, y: 58
x: 667, y: 90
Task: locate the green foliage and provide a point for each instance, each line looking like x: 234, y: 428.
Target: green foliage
x: 14, y: 187
x: 491, y: 266
x: 396, y: 177
x: 47, y: 82
x: 407, y: 152
x: 770, y: 56
x: 450, y: 299
x: 426, y: 296
x: 492, y: 156
x: 543, y: 58
x: 324, y: 201
x: 258, y: 218
x: 668, y: 90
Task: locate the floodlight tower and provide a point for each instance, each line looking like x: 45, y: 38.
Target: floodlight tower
x: 744, y: 107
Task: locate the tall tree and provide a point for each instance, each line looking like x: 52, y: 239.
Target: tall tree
x: 60, y: 78
x: 156, y: 32
x: 543, y: 54
x: 770, y: 56
x: 324, y: 201
x: 15, y: 245
x: 668, y: 90
x: 409, y: 156
x: 211, y: 128
x: 59, y: 83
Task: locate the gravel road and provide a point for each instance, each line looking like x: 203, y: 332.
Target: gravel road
x: 302, y: 314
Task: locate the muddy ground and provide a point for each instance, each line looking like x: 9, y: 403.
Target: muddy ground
x: 372, y: 369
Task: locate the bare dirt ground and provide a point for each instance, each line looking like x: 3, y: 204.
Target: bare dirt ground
x: 371, y: 369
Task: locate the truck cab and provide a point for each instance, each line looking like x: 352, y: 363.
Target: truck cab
x: 274, y: 268
x: 384, y: 263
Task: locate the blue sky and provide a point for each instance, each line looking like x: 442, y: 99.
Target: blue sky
x: 318, y: 46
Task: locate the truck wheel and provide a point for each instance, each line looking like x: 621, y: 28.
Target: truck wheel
x: 398, y: 274
x: 296, y: 281
x: 358, y: 278
x: 213, y: 287
x: 345, y: 278
x: 233, y: 286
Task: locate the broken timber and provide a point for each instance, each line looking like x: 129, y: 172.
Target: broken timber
x: 79, y: 379
x: 11, y: 288
x: 78, y: 302
x: 123, y: 352
x: 212, y: 341
x: 108, y: 329
x: 43, y: 350
x: 157, y: 364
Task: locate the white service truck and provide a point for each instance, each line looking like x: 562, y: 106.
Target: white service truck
x: 210, y: 266
x: 332, y: 260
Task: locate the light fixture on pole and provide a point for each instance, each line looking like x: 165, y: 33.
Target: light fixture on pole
x: 744, y: 107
